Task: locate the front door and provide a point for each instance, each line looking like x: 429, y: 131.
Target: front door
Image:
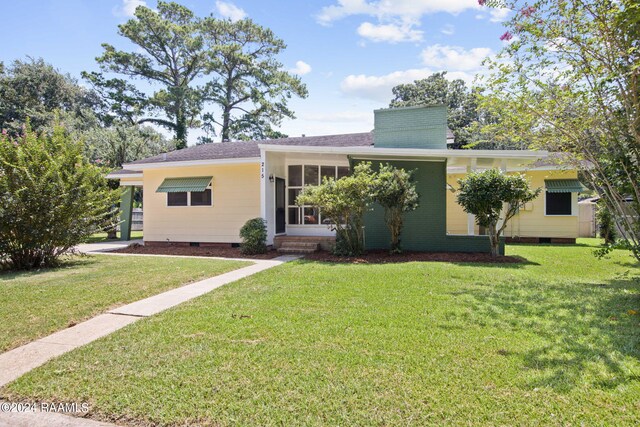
x: 280, y: 206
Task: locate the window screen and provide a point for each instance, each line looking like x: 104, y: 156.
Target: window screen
x: 177, y: 199
x: 558, y: 204
x: 201, y: 198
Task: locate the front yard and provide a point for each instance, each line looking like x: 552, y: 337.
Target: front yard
x: 554, y: 341
x: 35, y: 304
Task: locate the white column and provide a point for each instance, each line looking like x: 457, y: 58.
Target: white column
x: 471, y: 218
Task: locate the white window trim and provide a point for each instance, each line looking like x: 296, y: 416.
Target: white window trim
x: 574, y: 206
x: 188, y: 205
x: 297, y: 187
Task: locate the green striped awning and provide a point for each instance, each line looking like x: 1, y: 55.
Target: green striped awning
x: 564, y: 186
x: 178, y: 185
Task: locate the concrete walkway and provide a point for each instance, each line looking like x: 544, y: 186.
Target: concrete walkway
x: 17, y: 362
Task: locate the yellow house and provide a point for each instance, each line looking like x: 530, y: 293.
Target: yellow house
x: 203, y: 195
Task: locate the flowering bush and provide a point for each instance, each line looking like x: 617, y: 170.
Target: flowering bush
x: 51, y: 199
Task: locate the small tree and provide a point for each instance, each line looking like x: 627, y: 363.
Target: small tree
x: 254, y: 237
x: 344, y: 202
x: 606, y: 225
x: 396, y: 193
x: 484, y: 195
x: 51, y: 199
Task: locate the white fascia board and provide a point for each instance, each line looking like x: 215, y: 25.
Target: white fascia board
x: 463, y: 169
x: 177, y: 164
x: 408, y: 152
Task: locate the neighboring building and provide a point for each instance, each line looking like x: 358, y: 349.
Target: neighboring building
x: 204, y: 194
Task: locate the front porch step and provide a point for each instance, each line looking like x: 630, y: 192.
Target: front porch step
x: 298, y: 247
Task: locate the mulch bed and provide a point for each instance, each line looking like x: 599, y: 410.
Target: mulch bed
x: 381, y: 257
x: 193, y: 251
x: 371, y: 257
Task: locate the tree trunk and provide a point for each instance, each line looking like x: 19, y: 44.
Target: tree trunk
x: 226, y: 118
x: 494, y: 241
x: 181, y: 130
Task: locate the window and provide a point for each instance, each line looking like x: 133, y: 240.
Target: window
x: 201, y: 198
x: 558, y: 203
x: 190, y: 198
x: 300, y: 176
x: 177, y: 199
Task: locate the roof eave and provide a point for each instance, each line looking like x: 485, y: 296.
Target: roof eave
x: 184, y: 163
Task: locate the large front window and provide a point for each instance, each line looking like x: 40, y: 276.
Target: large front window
x: 299, y: 176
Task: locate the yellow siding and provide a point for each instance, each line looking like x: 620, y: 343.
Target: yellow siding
x: 130, y: 181
x: 236, y: 198
x: 528, y: 223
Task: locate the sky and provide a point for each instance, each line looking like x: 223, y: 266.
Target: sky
x: 349, y: 53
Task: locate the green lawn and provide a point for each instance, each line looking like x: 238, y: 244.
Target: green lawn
x: 554, y: 341
x: 102, y: 237
x: 33, y: 305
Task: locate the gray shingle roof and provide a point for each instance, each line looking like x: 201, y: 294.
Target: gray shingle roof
x: 249, y: 149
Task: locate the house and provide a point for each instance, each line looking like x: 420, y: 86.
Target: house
x: 202, y: 195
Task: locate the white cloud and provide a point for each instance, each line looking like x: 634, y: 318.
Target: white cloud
x: 230, y: 11
x: 392, y: 33
x: 378, y: 88
x: 301, y: 68
x: 454, y: 58
x: 448, y: 30
x: 408, y: 10
x: 128, y: 7
x: 499, y: 14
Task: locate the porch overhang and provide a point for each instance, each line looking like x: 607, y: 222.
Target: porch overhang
x: 477, y: 159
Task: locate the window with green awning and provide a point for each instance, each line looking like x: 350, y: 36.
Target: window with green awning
x: 181, y: 185
x: 564, y: 186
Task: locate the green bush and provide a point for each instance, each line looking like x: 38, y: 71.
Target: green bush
x: 344, y: 202
x: 254, y: 237
x: 51, y: 199
x: 396, y: 192
x: 606, y: 227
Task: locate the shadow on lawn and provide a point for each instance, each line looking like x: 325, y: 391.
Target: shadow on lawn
x: 78, y: 260
x: 586, y: 333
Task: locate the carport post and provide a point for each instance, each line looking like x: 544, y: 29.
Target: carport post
x: 126, y: 212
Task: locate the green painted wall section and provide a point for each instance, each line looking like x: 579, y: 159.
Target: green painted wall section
x: 126, y: 212
x: 425, y: 228
x: 411, y: 127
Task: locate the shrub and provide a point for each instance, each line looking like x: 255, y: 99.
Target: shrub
x: 51, y: 199
x: 344, y: 202
x: 254, y: 237
x: 606, y: 227
x: 397, y: 194
x: 484, y: 194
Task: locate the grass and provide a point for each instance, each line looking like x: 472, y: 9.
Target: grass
x: 102, y: 237
x: 35, y: 304
x: 553, y: 341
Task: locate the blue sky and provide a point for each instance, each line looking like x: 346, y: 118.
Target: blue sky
x: 350, y: 53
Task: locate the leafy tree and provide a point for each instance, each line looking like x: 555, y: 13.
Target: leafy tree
x: 570, y: 81
x: 344, y: 202
x: 396, y: 192
x: 484, y: 195
x: 36, y: 90
x: 170, y: 54
x: 249, y: 85
x: 120, y: 143
x: 436, y: 89
x: 51, y: 198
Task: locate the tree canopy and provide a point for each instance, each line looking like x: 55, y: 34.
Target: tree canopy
x: 569, y: 81
x: 218, y: 74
